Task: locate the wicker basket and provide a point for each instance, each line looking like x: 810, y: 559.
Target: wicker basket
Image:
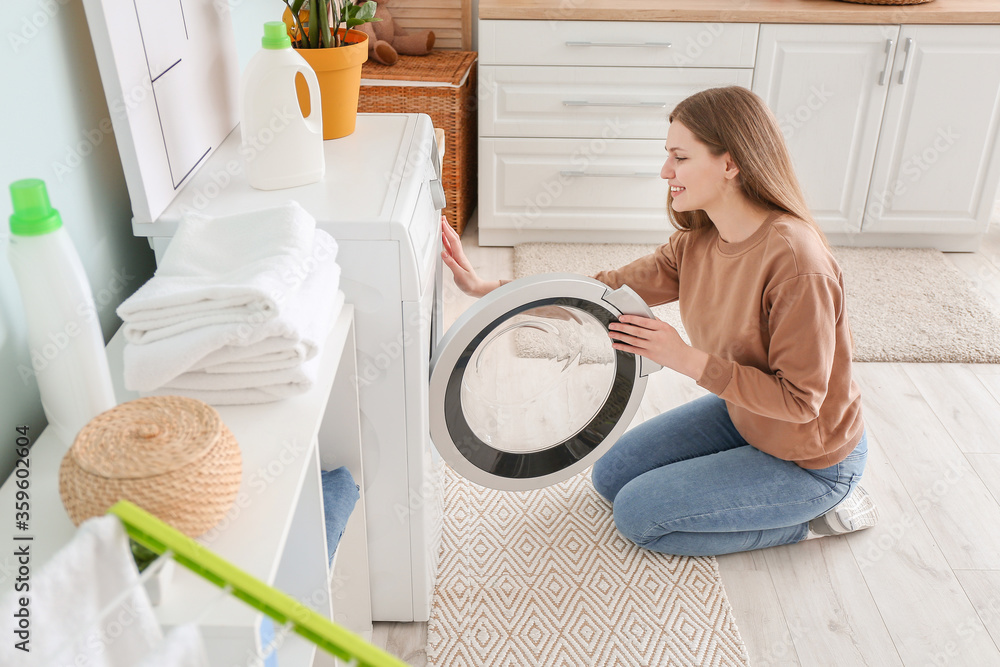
x: 451, y: 106
x: 888, y: 2
x: 170, y: 455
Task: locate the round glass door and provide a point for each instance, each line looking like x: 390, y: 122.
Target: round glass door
x: 526, y: 389
x: 538, y: 378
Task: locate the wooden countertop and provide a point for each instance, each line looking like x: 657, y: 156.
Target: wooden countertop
x: 743, y: 11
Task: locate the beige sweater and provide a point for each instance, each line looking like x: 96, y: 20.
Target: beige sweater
x: 770, y: 313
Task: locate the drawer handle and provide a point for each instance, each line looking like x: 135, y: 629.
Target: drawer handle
x: 603, y: 174
x: 906, y: 61
x: 666, y: 45
x: 885, y: 66
x: 585, y: 103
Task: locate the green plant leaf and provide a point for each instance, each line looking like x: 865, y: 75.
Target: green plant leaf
x: 366, y: 12
x: 296, y: 23
x: 338, y: 18
x: 358, y: 14
x: 314, y: 29
x: 324, y: 25
x: 327, y: 17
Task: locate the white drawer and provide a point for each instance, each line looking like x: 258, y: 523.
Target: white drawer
x: 531, y: 188
x: 610, y: 102
x: 618, y: 43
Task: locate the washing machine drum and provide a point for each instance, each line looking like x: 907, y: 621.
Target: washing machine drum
x: 525, y: 387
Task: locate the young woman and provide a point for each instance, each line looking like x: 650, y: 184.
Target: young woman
x: 774, y: 453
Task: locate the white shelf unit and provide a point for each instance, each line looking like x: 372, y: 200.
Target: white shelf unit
x: 275, y: 530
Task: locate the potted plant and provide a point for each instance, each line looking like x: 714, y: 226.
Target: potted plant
x: 321, y: 32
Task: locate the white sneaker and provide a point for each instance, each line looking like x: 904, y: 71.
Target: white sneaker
x: 855, y: 512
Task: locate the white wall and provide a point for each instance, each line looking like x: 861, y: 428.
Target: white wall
x: 249, y: 17
x: 54, y: 125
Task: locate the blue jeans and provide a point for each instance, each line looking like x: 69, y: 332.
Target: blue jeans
x: 686, y: 483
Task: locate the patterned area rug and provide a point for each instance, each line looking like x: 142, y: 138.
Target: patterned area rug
x: 543, y: 578
x: 905, y: 305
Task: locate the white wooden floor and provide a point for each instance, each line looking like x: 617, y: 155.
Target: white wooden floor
x: 921, y: 588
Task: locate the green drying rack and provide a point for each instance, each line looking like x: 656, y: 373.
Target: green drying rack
x: 159, y: 537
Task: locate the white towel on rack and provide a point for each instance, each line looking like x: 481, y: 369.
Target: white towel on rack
x: 221, y: 270
x: 304, y: 319
x: 69, y: 593
x: 182, y: 647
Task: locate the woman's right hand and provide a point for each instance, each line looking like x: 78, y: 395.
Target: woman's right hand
x: 461, y: 268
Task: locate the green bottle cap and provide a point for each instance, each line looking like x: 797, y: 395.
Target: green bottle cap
x: 33, y: 215
x: 276, y: 36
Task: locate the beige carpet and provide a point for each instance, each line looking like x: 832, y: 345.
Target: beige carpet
x: 543, y: 578
x: 904, y: 304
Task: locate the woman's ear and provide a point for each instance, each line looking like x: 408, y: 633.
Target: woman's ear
x: 732, y: 171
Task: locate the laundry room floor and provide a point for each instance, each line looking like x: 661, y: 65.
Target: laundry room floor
x: 923, y: 587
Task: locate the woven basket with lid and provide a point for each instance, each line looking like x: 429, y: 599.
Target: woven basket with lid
x: 170, y: 455
x: 888, y: 2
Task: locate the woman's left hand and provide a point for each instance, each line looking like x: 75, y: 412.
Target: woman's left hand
x: 658, y: 341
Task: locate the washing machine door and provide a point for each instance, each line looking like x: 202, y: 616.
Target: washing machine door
x: 525, y: 388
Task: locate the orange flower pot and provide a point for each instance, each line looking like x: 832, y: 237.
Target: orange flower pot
x: 339, y: 72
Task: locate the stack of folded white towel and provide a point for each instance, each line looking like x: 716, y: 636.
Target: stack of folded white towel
x: 237, y: 309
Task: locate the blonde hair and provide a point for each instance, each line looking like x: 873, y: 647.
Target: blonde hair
x: 735, y: 120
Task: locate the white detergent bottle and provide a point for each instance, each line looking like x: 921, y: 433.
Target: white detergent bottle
x: 64, y: 334
x: 281, y: 148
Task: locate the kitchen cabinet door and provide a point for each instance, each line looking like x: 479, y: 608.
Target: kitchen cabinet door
x: 938, y: 163
x: 827, y: 86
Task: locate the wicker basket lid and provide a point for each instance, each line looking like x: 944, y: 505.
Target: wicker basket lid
x: 170, y: 455
x: 445, y: 67
x: 147, y: 437
x: 888, y: 2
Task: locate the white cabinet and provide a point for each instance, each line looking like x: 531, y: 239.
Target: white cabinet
x: 617, y: 43
x: 573, y: 116
x: 579, y: 190
x: 938, y: 163
x: 892, y: 129
x: 605, y: 102
x: 826, y: 85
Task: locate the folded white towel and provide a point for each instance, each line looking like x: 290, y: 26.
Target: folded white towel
x: 221, y: 270
x: 304, y: 319
x: 269, y: 350
x: 245, y: 394
x: 68, y: 595
x: 238, y: 388
x: 261, y: 364
x: 287, y: 382
x: 227, y: 397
